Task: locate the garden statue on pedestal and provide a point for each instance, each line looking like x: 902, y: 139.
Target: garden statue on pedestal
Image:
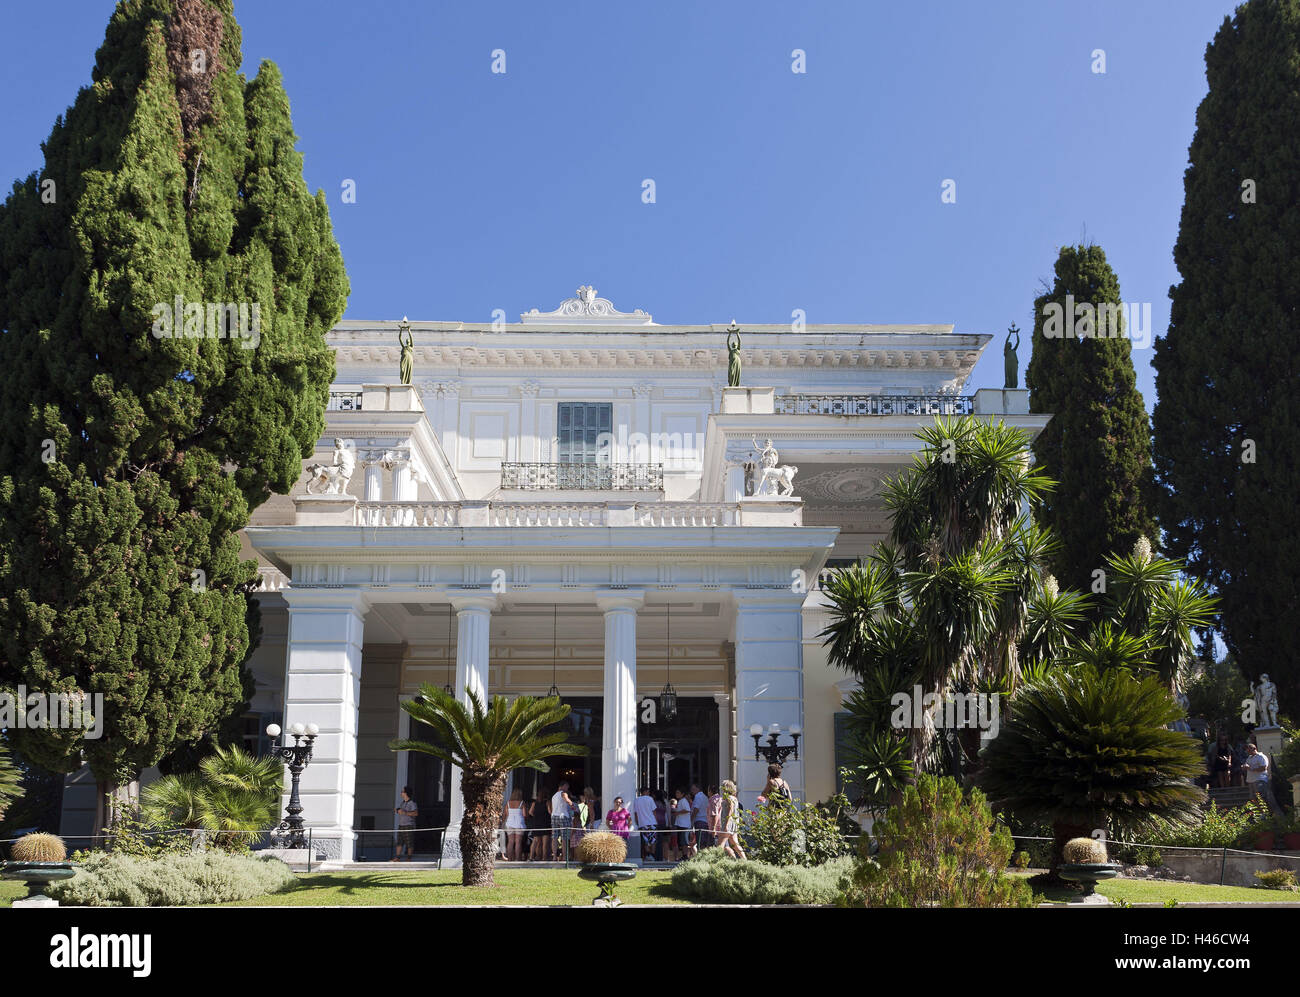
x: 1010, y: 361
x: 336, y: 476
x: 733, y: 355
x: 1265, y: 702
x: 771, y: 479
x: 406, y: 365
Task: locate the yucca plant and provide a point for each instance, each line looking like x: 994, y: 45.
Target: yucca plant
x: 1087, y: 748
x: 485, y: 744
x: 957, y: 576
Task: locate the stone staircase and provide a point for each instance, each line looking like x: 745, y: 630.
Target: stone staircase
x: 1228, y: 797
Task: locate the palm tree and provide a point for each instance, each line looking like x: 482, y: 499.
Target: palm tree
x: 1087, y: 748
x: 1151, y: 601
x: 957, y: 576
x: 10, y: 780
x: 486, y: 744
x: 232, y: 794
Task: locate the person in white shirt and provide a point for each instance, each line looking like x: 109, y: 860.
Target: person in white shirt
x: 561, y: 818
x: 681, y: 825
x: 643, y: 808
x: 1257, y: 770
x: 700, y: 816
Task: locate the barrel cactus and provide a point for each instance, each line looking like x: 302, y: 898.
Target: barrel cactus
x: 38, y: 847
x: 1082, y: 850
x: 603, y: 847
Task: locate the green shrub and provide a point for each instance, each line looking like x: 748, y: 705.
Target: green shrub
x: 1277, y: 879
x: 783, y: 833
x: 111, y: 879
x: 938, y: 849
x: 714, y: 877
x: 1020, y: 860
x: 1216, y: 828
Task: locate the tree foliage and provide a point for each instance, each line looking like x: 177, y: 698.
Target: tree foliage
x: 945, y: 602
x: 1226, y: 428
x: 131, y: 458
x: 10, y: 779
x: 938, y: 848
x: 1097, y: 445
x: 232, y: 793
x: 1088, y: 747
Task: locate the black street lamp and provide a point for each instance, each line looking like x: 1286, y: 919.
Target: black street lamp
x: 773, y: 751
x: 296, y: 757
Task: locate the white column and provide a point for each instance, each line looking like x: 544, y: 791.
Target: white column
x: 618, y: 752
x: 403, y: 480
x: 726, y: 747
x: 322, y: 685
x: 473, y: 622
x: 769, y: 681
x: 374, y: 480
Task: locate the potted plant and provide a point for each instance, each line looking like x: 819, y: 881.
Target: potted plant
x: 601, y: 854
x: 38, y: 860
x: 1287, y: 828
x: 1086, y: 863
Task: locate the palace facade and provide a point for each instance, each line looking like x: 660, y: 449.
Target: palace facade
x: 569, y: 502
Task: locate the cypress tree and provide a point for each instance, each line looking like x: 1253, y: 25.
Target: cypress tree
x: 1097, y: 445
x: 133, y: 447
x: 1227, y: 424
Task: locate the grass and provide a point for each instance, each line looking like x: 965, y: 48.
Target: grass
x: 561, y: 887
x: 515, y: 887
x: 1156, y: 891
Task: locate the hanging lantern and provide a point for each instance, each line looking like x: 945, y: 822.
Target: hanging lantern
x: 555, y: 690
x: 668, y: 698
x: 447, y: 688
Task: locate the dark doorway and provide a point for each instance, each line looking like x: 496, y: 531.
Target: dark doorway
x: 674, y: 753
x: 430, y: 782
x: 584, y: 726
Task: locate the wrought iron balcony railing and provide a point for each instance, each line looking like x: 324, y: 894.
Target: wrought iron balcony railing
x: 875, y: 404
x: 344, y: 401
x: 582, y: 477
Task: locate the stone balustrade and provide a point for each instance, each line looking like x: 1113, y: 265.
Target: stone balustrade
x: 326, y: 510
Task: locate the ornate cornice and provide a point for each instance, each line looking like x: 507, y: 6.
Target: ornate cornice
x: 586, y: 309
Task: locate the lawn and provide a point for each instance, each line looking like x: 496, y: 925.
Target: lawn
x: 1149, y: 891
x: 561, y: 887
x: 517, y: 887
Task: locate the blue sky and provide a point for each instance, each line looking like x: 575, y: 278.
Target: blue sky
x: 774, y: 190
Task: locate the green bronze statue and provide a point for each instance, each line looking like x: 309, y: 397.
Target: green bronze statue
x: 407, y: 363
x: 733, y: 355
x: 1010, y: 361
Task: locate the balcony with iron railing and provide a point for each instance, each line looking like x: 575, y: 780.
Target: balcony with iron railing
x: 532, y: 477
x: 344, y: 401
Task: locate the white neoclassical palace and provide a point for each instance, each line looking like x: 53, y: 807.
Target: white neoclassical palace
x: 578, y: 501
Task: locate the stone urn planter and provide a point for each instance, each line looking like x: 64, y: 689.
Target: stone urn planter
x: 601, y: 854
x: 1088, y: 875
x: 1086, y: 864
x: 608, y: 875
x: 37, y: 860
